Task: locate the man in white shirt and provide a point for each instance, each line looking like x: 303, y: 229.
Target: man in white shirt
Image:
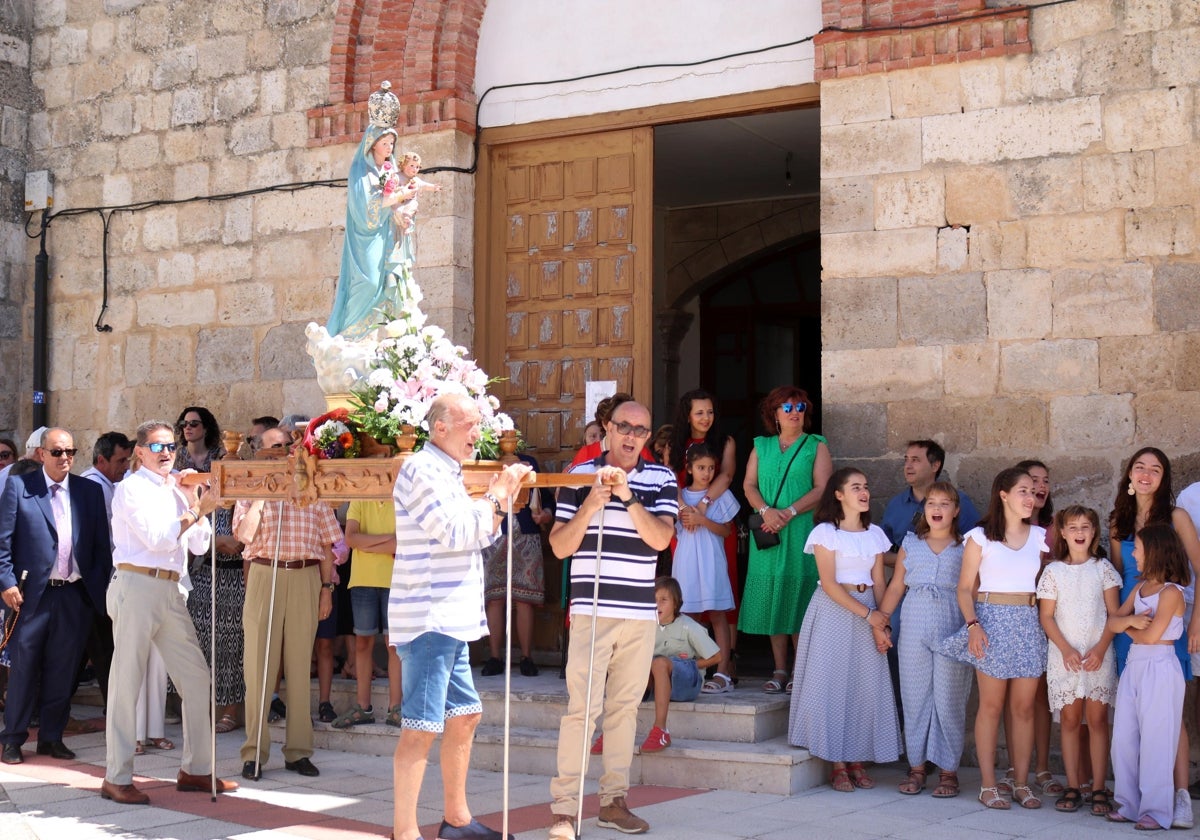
x: 31, y: 451
x: 155, y: 523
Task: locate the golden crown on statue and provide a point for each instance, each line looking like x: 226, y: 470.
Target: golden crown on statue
x: 383, y: 108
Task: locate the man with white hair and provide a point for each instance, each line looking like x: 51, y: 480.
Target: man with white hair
x: 31, y: 451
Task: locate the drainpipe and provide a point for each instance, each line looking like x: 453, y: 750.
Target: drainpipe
x: 41, y: 338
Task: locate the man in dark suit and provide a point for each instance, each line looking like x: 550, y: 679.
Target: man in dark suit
x: 55, y: 527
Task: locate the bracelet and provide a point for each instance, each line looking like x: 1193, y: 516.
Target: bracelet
x: 762, y: 510
x: 867, y: 617
x: 974, y: 622
x: 495, y: 503
x: 792, y: 508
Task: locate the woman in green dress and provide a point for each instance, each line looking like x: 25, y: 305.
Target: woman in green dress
x: 785, y: 476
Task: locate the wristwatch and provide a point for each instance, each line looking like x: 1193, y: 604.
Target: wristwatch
x: 631, y: 501
x: 330, y: 586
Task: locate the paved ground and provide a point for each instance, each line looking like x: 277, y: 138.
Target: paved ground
x: 56, y: 800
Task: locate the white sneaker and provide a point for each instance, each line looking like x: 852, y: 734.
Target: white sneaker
x: 1183, y: 810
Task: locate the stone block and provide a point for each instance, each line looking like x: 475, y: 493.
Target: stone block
x: 982, y: 82
x: 98, y: 79
x: 176, y: 309
x: 311, y: 300
x: 191, y: 179
x: 996, y: 245
x: 99, y: 159
x: 883, y: 375
x: 910, y: 200
x: 847, y: 204
x: 922, y: 91
x: 1061, y: 366
x: 179, y: 269
x: 871, y: 148
x: 1160, y: 231
x: 1132, y: 363
x: 289, y: 258
x: 1176, y: 287
x: 158, y: 229
x: 224, y: 354
x: 977, y: 194
x: 1012, y: 133
x: 733, y: 218
x: 855, y: 100
x: 1185, y: 358
x: 1177, y: 175
x: 220, y: 57
x: 174, y: 68
x: 250, y: 136
x: 1056, y: 25
x: 229, y: 174
x: 235, y: 97
x: 265, y: 50
x: 1148, y: 119
x: 130, y: 275
x: 308, y: 87
x: 1046, y: 186
x: 138, y: 152
x: 303, y: 396
x: 1124, y: 180
x: 249, y: 304
x: 855, y: 431
x: 272, y: 95
x: 238, y: 221
x: 291, y: 130
x: 950, y: 422
x: 1087, y: 301
x: 952, y: 253
x: 301, y: 211
x: 218, y: 265
x: 116, y: 118
x: 1173, y: 56
x: 1169, y: 418
x: 875, y: 253
x: 1054, y: 74
x: 971, y: 370
x: 858, y: 313
x: 1117, y: 62
x: 1015, y: 424
x: 69, y: 45
x: 1147, y: 15
x: 152, y: 112
x: 1092, y: 422
x: 1072, y: 239
x: 137, y: 358
x: 270, y: 168
x: 189, y: 106
x: 948, y: 309
x: 281, y: 354
x: 1019, y: 304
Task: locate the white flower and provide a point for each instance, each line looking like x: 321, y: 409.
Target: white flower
x: 380, y: 378
x: 503, y: 421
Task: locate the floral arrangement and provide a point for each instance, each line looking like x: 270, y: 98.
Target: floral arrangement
x: 389, y: 180
x: 332, y: 435
x: 413, y: 363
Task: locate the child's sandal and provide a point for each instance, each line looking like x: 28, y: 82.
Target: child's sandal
x: 914, y: 783
x: 1048, y: 784
x: 990, y: 797
x: 1070, y: 800
x: 1006, y: 783
x: 1102, y: 803
x: 1025, y: 797
x: 840, y: 780
x: 775, y: 685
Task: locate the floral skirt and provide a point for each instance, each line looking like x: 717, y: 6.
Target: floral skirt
x: 528, y: 583
x: 1016, y: 642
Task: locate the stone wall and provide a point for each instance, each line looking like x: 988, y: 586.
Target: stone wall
x: 1011, y: 255
x: 153, y: 101
x: 17, y: 99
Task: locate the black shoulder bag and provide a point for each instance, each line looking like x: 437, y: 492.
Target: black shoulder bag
x: 768, y: 539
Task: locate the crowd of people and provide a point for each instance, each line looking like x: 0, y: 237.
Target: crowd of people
x: 114, y: 567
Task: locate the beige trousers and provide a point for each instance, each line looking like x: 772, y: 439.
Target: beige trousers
x: 624, y: 649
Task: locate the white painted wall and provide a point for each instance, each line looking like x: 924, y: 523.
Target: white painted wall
x: 523, y: 41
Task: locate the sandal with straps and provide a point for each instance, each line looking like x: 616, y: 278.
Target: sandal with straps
x: 1006, y: 783
x: 947, y: 786
x: 1026, y: 798
x: 1069, y: 801
x: 1048, y: 784
x: 775, y: 685
x: 990, y: 797
x: 915, y: 782
x: 859, y: 776
x: 719, y: 684
x: 1102, y: 802
x: 840, y: 780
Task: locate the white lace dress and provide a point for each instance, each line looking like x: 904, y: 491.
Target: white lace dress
x: 1080, y: 614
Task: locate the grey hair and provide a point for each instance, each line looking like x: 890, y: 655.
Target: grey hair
x: 50, y: 431
x: 144, y: 430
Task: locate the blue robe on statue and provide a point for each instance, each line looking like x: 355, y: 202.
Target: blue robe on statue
x: 375, y: 265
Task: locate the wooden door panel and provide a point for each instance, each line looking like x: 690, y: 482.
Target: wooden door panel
x: 569, y: 231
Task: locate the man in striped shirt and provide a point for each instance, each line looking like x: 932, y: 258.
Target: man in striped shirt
x: 436, y: 608
x: 638, y: 503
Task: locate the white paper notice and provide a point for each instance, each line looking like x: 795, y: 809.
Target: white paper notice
x: 596, y: 391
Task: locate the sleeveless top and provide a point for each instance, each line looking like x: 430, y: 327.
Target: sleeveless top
x: 1005, y: 569
x: 1149, y: 604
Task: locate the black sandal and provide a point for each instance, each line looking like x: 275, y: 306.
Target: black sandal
x: 1101, y: 802
x: 1070, y: 800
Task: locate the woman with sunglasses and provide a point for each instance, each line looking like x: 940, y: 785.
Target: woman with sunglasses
x: 785, y: 477
x: 8, y: 453
x: 199, y: 439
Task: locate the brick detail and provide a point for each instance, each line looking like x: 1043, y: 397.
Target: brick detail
x: 425, y: 48
x: 953, y: 30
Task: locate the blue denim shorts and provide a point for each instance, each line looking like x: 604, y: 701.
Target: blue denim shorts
x: 370, y: 606
x: 686, y: 680
x: 437, y: 683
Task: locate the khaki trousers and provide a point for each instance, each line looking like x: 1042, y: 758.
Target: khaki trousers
x: 297, y: 592
x: 624, y: 648
x: 149, y: 612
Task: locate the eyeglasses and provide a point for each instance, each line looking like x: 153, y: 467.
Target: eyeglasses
x: 800, y: 406
x: 5, y: 455
x: 191, y: 424
x: 624, y: 428
x: 157, y: 448
x: 58, y: 453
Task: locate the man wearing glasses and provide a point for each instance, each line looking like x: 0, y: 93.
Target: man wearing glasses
x: 53, y: 526
x: 640, y: 503
x: 155, y: 523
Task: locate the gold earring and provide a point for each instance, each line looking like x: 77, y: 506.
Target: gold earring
x: 1131, y: 491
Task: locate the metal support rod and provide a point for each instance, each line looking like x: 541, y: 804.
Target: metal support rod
x: 587, y: 707
x: 262, y: 705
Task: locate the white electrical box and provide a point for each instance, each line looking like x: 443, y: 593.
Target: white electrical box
x: 39, y: 191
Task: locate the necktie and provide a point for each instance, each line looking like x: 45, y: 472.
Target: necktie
x: 62, y: 566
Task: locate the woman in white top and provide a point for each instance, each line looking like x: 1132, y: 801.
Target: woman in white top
x: 843, y: 708
x: 1003, y: 637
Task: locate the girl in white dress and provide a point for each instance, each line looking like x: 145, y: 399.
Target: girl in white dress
x: 1076, y: 597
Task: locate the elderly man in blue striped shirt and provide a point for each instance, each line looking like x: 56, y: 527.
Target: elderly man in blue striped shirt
x: 436, y: 608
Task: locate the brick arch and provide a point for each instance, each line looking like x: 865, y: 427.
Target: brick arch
x: 425, y: 48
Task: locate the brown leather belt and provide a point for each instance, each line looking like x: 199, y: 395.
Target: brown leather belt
x: 165, y: 574
x: 284, y: 564
x: 855, y: 587
x: 1008, y: 599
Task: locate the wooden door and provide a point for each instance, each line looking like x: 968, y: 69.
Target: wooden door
x: 565, y: 295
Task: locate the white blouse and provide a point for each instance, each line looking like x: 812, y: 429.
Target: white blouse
x: 1005, y: 569
x: 854, y: 552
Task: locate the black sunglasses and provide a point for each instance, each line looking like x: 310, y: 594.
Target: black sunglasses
x: 157, y: 448
x: 191, y: 424
x: 58, y: 453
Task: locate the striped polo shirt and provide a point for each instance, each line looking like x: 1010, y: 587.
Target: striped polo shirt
x: 437, y: 579
x: 627, y: 566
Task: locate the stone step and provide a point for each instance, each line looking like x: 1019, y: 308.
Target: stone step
x: 745, y: 715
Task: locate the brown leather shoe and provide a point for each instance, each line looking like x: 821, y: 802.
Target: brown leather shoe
x: 202, y: 784
x: 123, y: 794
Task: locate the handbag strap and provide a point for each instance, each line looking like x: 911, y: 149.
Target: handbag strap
x: 783, y: 480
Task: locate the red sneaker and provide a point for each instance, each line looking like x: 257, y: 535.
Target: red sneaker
x: 658, y: 739
x: 598, y: 747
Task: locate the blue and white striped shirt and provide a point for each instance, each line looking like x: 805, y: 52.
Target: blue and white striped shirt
x: 628, y: 564
x: 437, y: 579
